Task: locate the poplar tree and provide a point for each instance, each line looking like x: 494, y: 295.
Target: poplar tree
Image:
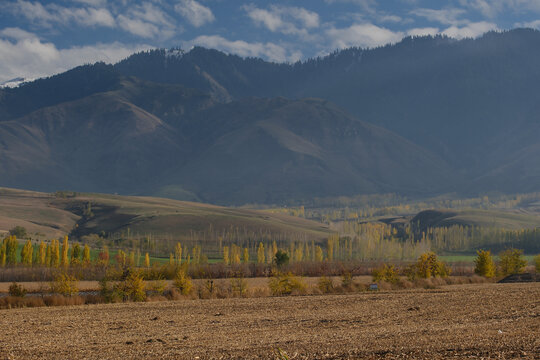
x: 11, y: 250
x: 245, y: 256
x: 56, y: 253
x: 65, y: 249
x: 3, y: 254
x: 86, y: 255
x: 226, y: 259
x: 146, y: 260
x: 75, y: 254
x: 319, y: 254
x: 48, y: 255
x: 178, y: 253
x: 260, y: 254
x: 27, y: 253
x: 42, y: 254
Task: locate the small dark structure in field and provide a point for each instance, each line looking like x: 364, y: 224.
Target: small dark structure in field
x: 517, y: 278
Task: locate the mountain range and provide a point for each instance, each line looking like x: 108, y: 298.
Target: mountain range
x: 425, y: 116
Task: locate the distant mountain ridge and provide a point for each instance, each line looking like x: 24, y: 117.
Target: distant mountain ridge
x: 203, y: 125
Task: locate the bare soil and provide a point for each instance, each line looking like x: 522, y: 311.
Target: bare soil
x: 459, y: 321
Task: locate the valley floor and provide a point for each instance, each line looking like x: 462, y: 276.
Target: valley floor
x: 479, y: 320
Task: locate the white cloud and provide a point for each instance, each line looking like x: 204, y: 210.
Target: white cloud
x: 488, y: 8
x: 284, y: 19
x: 194, y: 12
x: 423, y: 31
x: 444, y: 16
x: 268, y: 50
x: 531, y: 24
x: 24, y: 54
x: 363, y: 35
x: 471, y: 30
x: 52, y: 13
x: 148, y: 21
x: 138, y: 27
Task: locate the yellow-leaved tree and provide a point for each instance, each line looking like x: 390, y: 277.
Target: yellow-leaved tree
x: 484, y: 264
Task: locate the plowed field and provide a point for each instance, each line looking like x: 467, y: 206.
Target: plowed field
x: 460, y: 321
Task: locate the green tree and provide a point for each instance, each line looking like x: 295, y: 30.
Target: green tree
x: 75, y: 254
x: 484, y: 264
x: 19, y: 232
x: 511, y: 262
x: 281, y: 258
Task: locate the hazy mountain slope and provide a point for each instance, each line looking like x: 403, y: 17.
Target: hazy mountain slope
x: 102, y: 142
x: 149, y: 138
x: 473, y: 102
x: 277, y: 149
x: 185, y: 124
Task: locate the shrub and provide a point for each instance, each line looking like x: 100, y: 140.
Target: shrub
x: 17, y: 290
x: 239, y: 287
x: 347, y: 280
x: 285, y: 284
x: 64, y: 284
x: 537, y: 263
x: 183, y: 282
x: 133, y: 287
x: 427, y: 265
x: 388, y: 273
x: 158, y: 286
x: 484, y: 264
x: 325, y: 285
x: 511, y: 262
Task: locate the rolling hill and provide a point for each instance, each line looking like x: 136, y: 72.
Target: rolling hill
x: 47, y: 215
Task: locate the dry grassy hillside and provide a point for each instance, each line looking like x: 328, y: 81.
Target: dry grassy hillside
x: 52, y: 215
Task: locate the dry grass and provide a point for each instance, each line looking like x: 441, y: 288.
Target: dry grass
x: 463, y: 321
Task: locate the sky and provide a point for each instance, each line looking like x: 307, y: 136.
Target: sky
x: 41, y: 38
